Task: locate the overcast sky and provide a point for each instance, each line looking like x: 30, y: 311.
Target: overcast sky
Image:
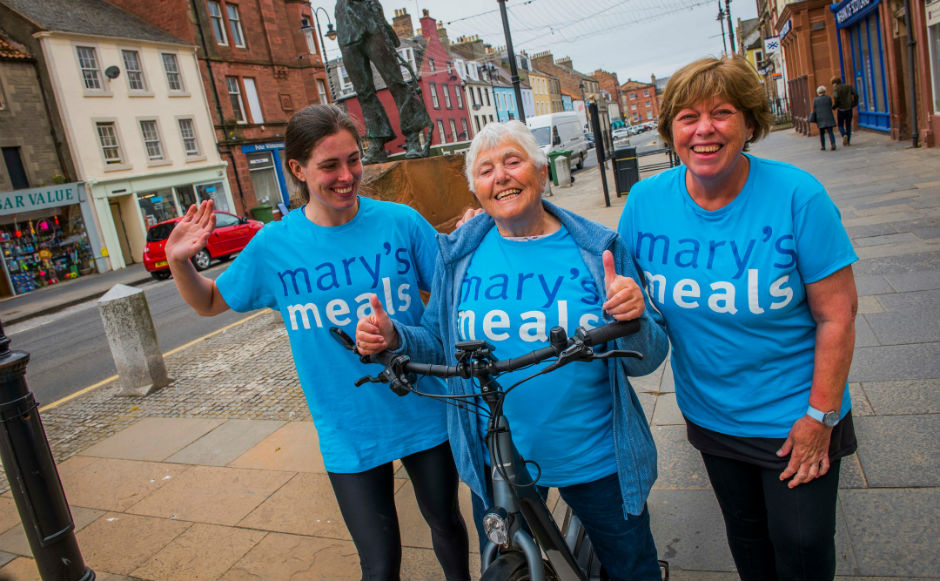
x: 633, y: 38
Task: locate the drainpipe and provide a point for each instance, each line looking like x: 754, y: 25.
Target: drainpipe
x: 910, y: 55
x: 218, y: 104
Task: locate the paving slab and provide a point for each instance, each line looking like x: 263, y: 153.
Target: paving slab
x: 903, y: 320
x: 667, y: 411
x: 680, y: 466
x: 903, y: 397
x: 872, y: 284
x: 210, y: 494
x: 112, y: 483
x: 861, y: 406
x: 153, y: 438
x: 864, y: 335
x: 201, y: 553
x: 9, y: 517
x: 121, y: 543
x: 894, y: 531
x: 899, y: 451
x: 891, y: 362
x: 689, y: 530
x: 296, y: 557
x: 915, y: 281
x: 226, y: 442
x: 14, y: 540
x: 294, y: 447
x: 304, y: 505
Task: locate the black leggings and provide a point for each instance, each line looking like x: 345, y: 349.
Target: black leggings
x: 775, y: 532
x: 367, y: 502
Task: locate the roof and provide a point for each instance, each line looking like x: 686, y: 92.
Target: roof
x: 93, y: 17
x: 11, y: 51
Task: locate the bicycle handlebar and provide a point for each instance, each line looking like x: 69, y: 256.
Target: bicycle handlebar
x: 481, y: 362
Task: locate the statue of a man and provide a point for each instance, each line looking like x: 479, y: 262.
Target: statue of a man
x: 364, y: 36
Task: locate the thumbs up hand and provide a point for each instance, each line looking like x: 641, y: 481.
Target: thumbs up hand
x: 376, y: 332
x: 624, y: 297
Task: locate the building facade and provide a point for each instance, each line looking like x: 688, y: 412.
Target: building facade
x: 260, y: 62
x: 638, y: 102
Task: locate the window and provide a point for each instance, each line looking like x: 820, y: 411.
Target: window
x: 254, y: 105
x: 466, y: 130
x: 440, y: 131
x: 457, y: 93
x: 235, y: 25
x: 15, y: 168
x: 453, y: 129
x: 633, y: 107
x: 172, y: 68
x: 632, y: 96
x: 108, y: 140
x: 321, y: 88
x: 479, y: 97
x: 148, y: 129
x: 235, y: 97
x: 434, y: 99
x: 649, y: 114
x: 188, y: 133
x: 476, y: 121
x: 446, y: 90
x: 88, y: 63
x: 135, y: 75
x: 487, y: 93
x: 431, y: 66
x: 646, y: 93
x: 218, y: 27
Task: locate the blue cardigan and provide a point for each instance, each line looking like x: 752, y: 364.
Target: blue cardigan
x: 434, y: 340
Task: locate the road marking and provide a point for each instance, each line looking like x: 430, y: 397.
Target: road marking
x: 103, y: 382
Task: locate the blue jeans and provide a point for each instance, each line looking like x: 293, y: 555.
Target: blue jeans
x: 624, y: 546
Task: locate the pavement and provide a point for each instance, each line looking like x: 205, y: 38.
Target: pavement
x: 218, y: 476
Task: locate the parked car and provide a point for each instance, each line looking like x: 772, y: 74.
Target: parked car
x: 230, y: 236
x: 560, y: 132
x: 620, y: 134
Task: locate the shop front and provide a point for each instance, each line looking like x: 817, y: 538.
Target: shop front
x: 860, y: 30
x: 47, y: 235
x: 127, y: 207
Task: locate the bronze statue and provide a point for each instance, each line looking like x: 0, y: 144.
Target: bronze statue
x: 364, y: 36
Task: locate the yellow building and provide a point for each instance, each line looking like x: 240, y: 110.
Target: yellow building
x: 541, y: 93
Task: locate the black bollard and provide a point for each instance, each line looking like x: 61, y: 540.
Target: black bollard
x: 33, y: 477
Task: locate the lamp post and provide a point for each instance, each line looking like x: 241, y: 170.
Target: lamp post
x: 721, y: 24
x: 330, y: 34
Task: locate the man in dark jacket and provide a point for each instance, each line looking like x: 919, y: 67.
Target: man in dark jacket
x: 844, y: 98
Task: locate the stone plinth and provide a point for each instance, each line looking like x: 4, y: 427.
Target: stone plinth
x: 133, y: 340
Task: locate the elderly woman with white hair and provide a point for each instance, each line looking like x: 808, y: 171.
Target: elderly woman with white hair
x: 823, y: 118
x: 508, y: 276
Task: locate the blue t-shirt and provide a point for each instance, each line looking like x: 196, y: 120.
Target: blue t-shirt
x: 320, y: 277
x: 512, y: 295
x: 730, y: 284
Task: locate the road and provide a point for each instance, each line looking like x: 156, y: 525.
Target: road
x: 69, y: 351
x: 643, y: 142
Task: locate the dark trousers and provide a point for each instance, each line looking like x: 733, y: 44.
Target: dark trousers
x: 822, y: 137
x: 776, y: 533
x: 367, y: 502
x: 624, y: 546
x: 844, y: 119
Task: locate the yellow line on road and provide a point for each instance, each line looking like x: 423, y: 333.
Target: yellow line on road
x: 103, y: 382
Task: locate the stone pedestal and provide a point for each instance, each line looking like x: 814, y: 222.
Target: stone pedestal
x: 562, y: 169
x: 133, y: 340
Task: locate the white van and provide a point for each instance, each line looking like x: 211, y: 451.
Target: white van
x: 560, y: 131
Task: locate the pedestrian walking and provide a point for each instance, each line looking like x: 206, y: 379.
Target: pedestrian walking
x: 317, y: 267
x: 752, y: 274
x: 844, y: 99
x: 823, y: 118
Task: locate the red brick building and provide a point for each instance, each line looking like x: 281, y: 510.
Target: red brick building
x: 608, y: 82
x: 441, y: 85
x: 638, y: 102
x: 260, y: 63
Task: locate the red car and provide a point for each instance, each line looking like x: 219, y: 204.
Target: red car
x: 231, y: 235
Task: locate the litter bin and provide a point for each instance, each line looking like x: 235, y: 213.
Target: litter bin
x: 626, y: 169
x: 263, y: 213
x: 566, y: 153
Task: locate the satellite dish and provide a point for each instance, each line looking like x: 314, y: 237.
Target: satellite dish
x: 112, y: 72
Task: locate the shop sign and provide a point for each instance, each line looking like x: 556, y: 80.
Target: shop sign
x: 19, y: 201
x: 771, y: 44
x: 849, y: 11
x: 255, y: 147
x: 933, y: 13
x: 785, y: 30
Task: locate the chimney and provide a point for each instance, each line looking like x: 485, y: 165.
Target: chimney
x: 402, y: 24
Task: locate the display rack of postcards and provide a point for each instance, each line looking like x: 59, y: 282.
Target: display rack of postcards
x: 39, y: 254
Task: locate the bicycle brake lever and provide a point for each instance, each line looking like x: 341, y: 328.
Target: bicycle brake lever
x: 618, y: 353
x: 368, y: 379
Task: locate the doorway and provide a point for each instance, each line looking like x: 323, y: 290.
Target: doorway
x: 118, y: 218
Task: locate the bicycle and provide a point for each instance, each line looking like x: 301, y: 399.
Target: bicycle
x: 519, y: 526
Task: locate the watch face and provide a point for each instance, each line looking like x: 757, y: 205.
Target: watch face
x: 830, y: 418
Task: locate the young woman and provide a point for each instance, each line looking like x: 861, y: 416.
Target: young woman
x: 317, y: 267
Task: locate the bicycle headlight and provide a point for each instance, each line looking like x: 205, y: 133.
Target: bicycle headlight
x: 496, y: 525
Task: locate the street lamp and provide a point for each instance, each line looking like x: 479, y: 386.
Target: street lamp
x: 330, y: 34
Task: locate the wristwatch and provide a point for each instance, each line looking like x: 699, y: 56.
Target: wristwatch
x: 828, y: 419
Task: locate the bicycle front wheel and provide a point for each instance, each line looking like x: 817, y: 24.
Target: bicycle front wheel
x: 514, y: 567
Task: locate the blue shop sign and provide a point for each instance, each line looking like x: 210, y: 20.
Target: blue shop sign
x: 848, y: 12
x: 785, y: 30
x: 19, y: 201
x: 256, y: 147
